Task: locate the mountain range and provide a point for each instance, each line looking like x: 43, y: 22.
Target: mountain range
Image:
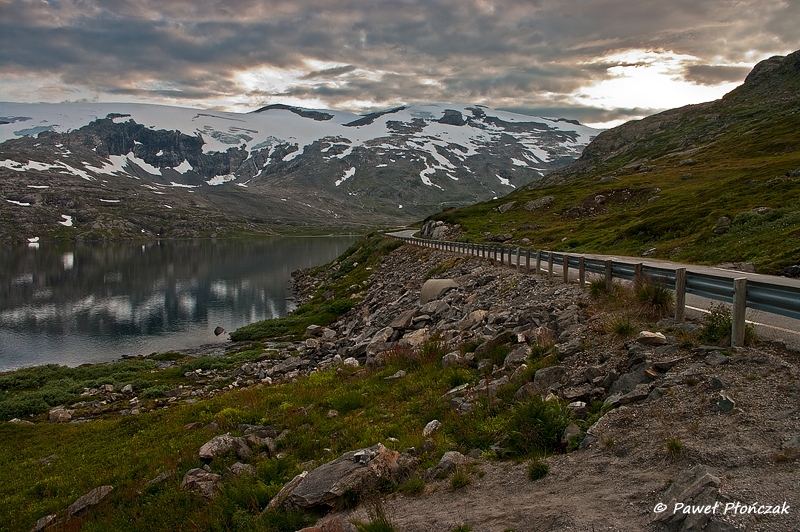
x: 711, y: 183
x: 97, y: 171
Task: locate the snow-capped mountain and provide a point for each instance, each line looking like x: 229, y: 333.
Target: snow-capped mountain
x: 277, y: 165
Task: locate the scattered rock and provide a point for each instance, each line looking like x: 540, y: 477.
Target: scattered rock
x: 540, y: 203
x: 60, y: 414
x: 278, y: 500
x: 695, y: 487
x: 201, y: 481
x: 506, y: 206
x: 725, y: 402
x: 448, y: 464
x: 44, y: 522
x: 238, y: 469
x: 651, y: 338
x: 723, y: 225
x: 355, y: 471
x: 93, y: 498
x: 431, y: 427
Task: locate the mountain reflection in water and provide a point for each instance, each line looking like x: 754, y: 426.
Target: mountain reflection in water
x: 79, y: 303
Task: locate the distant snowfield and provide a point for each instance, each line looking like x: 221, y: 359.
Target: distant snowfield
x: 267, y: 129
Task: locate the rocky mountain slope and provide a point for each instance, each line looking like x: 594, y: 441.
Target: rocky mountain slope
x: 123, y: 170
x: 709, y: 183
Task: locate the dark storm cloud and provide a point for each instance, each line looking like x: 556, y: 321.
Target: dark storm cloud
x: 711, y: 74
x: 526, y: 54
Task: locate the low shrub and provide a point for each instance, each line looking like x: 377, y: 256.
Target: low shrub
x: 414, y: 485
x: 536, y: 427
x: 655, y: 301
x: 537, y: 469
x: 460, y: 479
x: 718, y: 327
x: 674, y: 446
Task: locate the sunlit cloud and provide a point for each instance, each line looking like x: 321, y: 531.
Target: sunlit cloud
x: 648, y: 80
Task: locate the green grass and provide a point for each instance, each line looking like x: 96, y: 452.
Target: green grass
x: 126, y: 452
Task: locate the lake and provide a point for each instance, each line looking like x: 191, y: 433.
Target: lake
x: 72, y: 303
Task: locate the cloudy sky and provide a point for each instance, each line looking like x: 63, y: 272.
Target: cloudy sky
x: 598, y: 61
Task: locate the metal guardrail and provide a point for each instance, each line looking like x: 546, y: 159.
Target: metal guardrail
x: 742, y: 293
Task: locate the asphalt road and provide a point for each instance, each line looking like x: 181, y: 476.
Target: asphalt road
x: 768, y: 326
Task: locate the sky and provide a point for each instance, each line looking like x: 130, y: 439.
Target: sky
x: 601, y: 62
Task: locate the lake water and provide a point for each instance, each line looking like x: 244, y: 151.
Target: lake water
x: 72, y: 304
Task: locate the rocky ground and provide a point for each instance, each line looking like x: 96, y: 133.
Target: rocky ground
x: 690, y: 424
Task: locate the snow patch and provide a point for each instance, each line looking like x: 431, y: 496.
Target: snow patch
x: 110, y: 200
x: 38, y: 186
x: 347, y: 175
x: 67, y: 220
x: 24, y: 167
x: 184, y: 167
x: 504, y: 181
x: 20, y: 203
x: 220, y: 179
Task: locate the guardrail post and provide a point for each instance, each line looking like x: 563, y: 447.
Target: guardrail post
x: 739, y: 307
x: 581, y: 271
x: 538, y: 261
x: 680, y: 294
x: 549, y: 264
x: 565, y: 268
x: 528, y: 260
x: 609, y: 276
x: 638, y: 275
x: 502, y: 255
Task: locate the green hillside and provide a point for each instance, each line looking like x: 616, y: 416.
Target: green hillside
x: 665, y: 182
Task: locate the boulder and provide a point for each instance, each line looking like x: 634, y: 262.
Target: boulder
x: 452, y: 359
x: 238, y: 469
x: 435, y: 288
x: 60, y: 414
x: 448, y: 464
x: 217, y: 446
x: 546, y: 377
x: 651, y: 338
x: 44, y: 522
x: 431, y: 427
x: 695, y: 487
x: 201, y: 481
x: 517, y: 357
x: 356, y: 471
x: 629, y: 381
x: 284, y: 493
x: 93, y: 498
x: 540, y: 203
x: 415, y: 338
x: 403, y: 320
x: 378, y: 342
x: 506, y: 206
